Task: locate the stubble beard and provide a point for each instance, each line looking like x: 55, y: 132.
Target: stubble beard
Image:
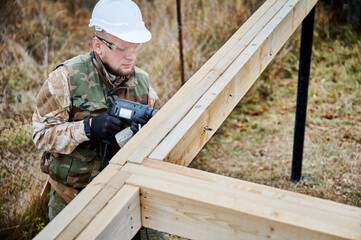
x: 118, y: 73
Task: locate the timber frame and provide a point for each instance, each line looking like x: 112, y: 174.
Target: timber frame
x: 148, y: 184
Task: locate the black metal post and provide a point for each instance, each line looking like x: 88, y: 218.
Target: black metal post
x: 302, y: 94
x: 180, y: 39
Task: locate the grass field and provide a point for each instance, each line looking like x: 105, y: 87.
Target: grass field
x: 254, y: 143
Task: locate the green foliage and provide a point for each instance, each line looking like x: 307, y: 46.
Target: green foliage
x: 24, y: 226
x: 17, y: 136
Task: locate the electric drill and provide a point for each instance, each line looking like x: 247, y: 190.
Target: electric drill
x: 126, y: 110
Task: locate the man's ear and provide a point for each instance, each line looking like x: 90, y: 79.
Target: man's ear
x: 97, y: 46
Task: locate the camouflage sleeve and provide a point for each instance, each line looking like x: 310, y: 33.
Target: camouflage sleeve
x: 153, y: 99
x: 52, y: 131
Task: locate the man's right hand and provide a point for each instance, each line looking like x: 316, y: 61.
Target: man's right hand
x: 105, y: 126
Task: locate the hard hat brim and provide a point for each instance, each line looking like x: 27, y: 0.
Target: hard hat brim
x: 138, y: 36
x: 135, y: 36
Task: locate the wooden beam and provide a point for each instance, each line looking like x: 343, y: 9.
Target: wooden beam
x: 184, y: 142
x: 120, y: 218
x: 201, y: 205
x: 143, y: 143
x: 82, y: 209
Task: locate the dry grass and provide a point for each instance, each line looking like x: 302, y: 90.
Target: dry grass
x: 254, y: 143
x: 22, y: 213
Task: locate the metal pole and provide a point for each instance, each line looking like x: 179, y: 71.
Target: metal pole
x: 302, y: 94
x: 180, y: 39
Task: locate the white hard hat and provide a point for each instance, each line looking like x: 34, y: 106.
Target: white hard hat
x: 121, y: 18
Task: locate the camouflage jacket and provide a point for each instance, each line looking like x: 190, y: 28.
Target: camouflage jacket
x: 78, y: 88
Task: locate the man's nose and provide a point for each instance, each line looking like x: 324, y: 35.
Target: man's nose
x: 131, y: 55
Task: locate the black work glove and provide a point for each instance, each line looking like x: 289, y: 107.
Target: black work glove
x: 105, y: 126
x: 135, y: 124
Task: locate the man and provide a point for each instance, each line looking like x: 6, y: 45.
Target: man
x: 70, y: 121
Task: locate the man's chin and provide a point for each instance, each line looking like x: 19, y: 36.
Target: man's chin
x: 123, y: 72
x: 127, y: 72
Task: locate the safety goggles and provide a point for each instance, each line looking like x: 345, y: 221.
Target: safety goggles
x: 123, y: 49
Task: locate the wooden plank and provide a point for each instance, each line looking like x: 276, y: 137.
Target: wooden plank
x: 198, y: 90
x: 66, y: 216
x: 185, y: 141
x: 141, y: 145
x: 261, y: 190
x: 201, y: 205
x: 120, y: 219
x: 96, y: 204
